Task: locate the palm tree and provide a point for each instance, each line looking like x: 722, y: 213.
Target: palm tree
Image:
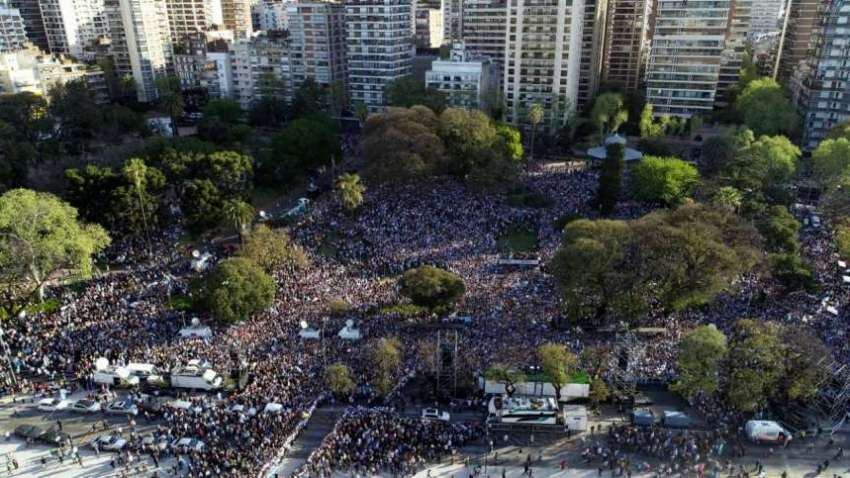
x: 361, y: 111
x: 535, y: 117
x: 728, y: 198
x: 170, y: 100
x: 136, y: 171
x: 239, y: 213
x: 349, y: 191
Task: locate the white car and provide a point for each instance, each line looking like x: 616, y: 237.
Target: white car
x: 155, y: 442
x: 123, y: 407
x: 239, y: 408
x: 185, y: 445
x: 86, y: 406
x: 109, y: 442
x: 53, y: 404
x: 434, y: 414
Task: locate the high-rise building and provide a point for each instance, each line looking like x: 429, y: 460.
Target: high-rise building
x: 627, y: 40
x: 261, y: 67
x: 317, y: 42
x: 236, y: 16
x: 543, y: 44
x: 33, y: 24
x: 467, y: 81
x: 822, y: 86
x: 732, y: 58
x: 32, y: 70
x: 796, y: 45
x: 484, y: 27
x: 764, y: 17
x: 269, y: 15
x: 72, y: 26
x: 380, y: 47
x: 147, y: 42
x: 685, y: 57
x: 12, y: 34
x: 187, y: 17
x: 453, y: 12
x: 429, y: 27
x: 592, y: 49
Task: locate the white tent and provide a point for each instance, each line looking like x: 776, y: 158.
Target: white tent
x: 196, y: 330
x: 349, y: 332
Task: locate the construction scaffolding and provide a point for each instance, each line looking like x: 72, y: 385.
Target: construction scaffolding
x: 833, y: 396
x: 621, y: 378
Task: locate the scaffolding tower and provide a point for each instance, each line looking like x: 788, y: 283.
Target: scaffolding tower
x: 621, y: 377
x: 833, y: 396
x: 446, y: 360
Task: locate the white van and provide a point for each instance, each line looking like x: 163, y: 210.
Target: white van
x: 196, y: 376
x: 115, y: 376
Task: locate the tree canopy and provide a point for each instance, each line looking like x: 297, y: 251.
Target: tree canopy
x: 831, y: 162
x: 558, y: 364
x: 39, y: 236
x: 236, y: 290
x: 765, y: 109
x: 402, y: 145
x: 700, y: 354
x: 609, y: 112
x: 272, y: 249
x: 303, y: 146
x: 667, y: 181
x: 431, y: 287
x: 407, y: 91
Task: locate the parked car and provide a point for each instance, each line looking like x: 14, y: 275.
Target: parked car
x: 185, y: 444
x: 151, y: 442
x: 53, y: 404
x: 55, y: 438
x: 122, y: 407
x: 109, y: 442
x: 86, y: 406
x: 434, y: 414
x: 28, y: 432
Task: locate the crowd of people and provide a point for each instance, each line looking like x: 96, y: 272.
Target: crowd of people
x: 126, y: 315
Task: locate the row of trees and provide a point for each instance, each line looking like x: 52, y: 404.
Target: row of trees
x: 414, y: 143
x: 385, y: 358
x: 761, y: 362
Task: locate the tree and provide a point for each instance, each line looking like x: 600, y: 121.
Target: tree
x: 407, y: 91
x: 339, y: 381
x: 700, y: 354
x: 431, y: 287
x: 304, y: 145
x: 649, y: 128
x: 727, y: 198
x: 361, y: 112
x: 599, y: 392
x: 386, y: 358
x: 842, y: 240
x: 224, y: 109
x: 610, y: 178
x: 803, y: 371
x: 267, y: 112
x: 239, y: 213
x: 272, y: 250
x: 765, y: 166
x: 755, y: 364
x: 402, y: 145
x: 308, y: 99
x: 511, y: 141
x: 780, y: 229
x: 792, y: 272
x: 505, y: 374
x: 535, y: 117
x: 202, y: 204
x: 663, y: 180
x: 609, y: 113
x: 718, y: 152
x: 836, y: 201
x: 236, y: 290
x: 831, y: 162
x: 77, y: 116
x: 137, y: 173
x: 841, y: 130
x: 558, y: 364
x: 170, y: 100
x: 765, y: 109
x: 27, y: 116
x: 41, y: 235
x: 349, y: 191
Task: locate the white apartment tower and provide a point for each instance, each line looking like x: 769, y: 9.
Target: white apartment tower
x: 187, y: 17
x: 484, y: 30
x: 543, y: 44
x: 453, y: 11
x: 685, y: 57
x: 12, y: 33
x: 72, y: 26
x: 236, y: 16
x: 317, y: 42
x: 380, y: 47
x: 148, y: 43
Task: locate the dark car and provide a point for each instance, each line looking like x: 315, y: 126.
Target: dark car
x: 55, y: 438
x: 28, y: 432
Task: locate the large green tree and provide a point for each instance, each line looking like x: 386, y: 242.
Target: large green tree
x: 339, y: 380
x: 663, y: 180
x: 40, y: 235
x: 831, y: 162
x: 609, y: 112
x: 755, y: 364
x: 408, y: 91
x: 701, y: 352
x: 431, y: 287
x: 236, y: 290
x: 349, y: 191
x: 610, y: 178
x: 272, y: 250
x: 304, y: 145
x: 765, y: 109
x: 386, y: 357
x: 558, y: 364
x: 402, y: 145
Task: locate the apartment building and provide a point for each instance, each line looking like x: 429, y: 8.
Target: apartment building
x: 628, y: 33
x: 685, y: 57
x: 764, y: 17
x: 144, y: 41
x: 34, y: 71
x: 73, y: 26
x: 466, y: 80
x: 592, y: 49
x: 429, y: 27
x: 822, y: 86
x: 380, y: 47
x: 732, y: 58
x: 261, y: 67
x: 796, y: 44
x: 188, y: 17
x: 236, y: 16
x: 317, y: 42
x: 453, y: 13
x: 484, y: 30
x: 543, y: 44
x: 12, y: 34
x: 33, y: 24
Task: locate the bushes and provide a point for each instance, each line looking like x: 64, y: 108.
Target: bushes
x: 431, y: 287
x: 663, y: 180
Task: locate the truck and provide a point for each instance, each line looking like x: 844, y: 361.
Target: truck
x: 115, y: 376
x: 196, y: 376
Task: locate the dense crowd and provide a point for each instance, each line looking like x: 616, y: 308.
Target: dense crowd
x: 125, y: 316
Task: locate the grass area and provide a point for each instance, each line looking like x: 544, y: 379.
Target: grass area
x: 528, y: 199
x: 263, y: 197
x: 182, y: 303
x: 49, y: 306
x: 518, y: 240
x: 580, y: 377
